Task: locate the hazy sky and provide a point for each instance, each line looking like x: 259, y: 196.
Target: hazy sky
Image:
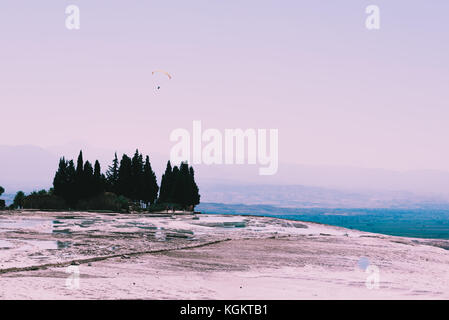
x: 338, y: 93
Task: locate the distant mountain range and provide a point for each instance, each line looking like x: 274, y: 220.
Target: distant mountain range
x: 297, y: 196
x: 31, y: 168
x: 26, y: 168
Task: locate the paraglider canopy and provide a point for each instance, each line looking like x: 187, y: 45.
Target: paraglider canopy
x: 162, y: 71
x: 161, y: 76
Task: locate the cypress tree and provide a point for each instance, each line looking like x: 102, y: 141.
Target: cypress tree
x: 194, y: 196
x: 150, y: 187
x: 176, y: 187
x: 183, y: 185
x: 18, y: 200
x: 137, y: 177
x: 166, y: 184
x: 70, y: 196
x: 98, y: 179
x: 80, y: 164
x: 183, y: 188
x: 79, y: 191
x: 60, y: 179
x: 112, y: 175
x: 88, y: 188
x: 124, y: 183
x: 2, y: 202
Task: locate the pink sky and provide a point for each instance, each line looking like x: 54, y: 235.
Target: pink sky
x: 338, y: 93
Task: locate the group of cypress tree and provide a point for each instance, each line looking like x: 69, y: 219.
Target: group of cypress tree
x: 132, y: 178
x: 81, y: 182
x: 178, y: 186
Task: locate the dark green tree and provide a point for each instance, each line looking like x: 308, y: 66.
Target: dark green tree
x: 182, y: 188
x: 166, y: 184
x: 70, y: 196
x: 60, y: 185
x: 80, y: 164
x: 64, y: 182
x: 137, y: 192
x: 150, y: 187
x: 2, y: 202
x: 177, y: 186
x: 79, y: 190
x: 112, y: 175
x: 18, y: 200
x: 98, y: 180
x: 194, y: 195
x: 88, y: 188
x: 124, y: 183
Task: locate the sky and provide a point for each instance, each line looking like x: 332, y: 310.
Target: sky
x: 338, y: 93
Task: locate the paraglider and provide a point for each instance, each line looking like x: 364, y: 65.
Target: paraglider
x: 162, y: 72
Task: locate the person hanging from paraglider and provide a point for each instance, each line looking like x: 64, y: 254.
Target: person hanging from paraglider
x: 158, y: 87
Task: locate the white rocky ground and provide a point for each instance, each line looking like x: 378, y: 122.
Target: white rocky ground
x: 124, y: 256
